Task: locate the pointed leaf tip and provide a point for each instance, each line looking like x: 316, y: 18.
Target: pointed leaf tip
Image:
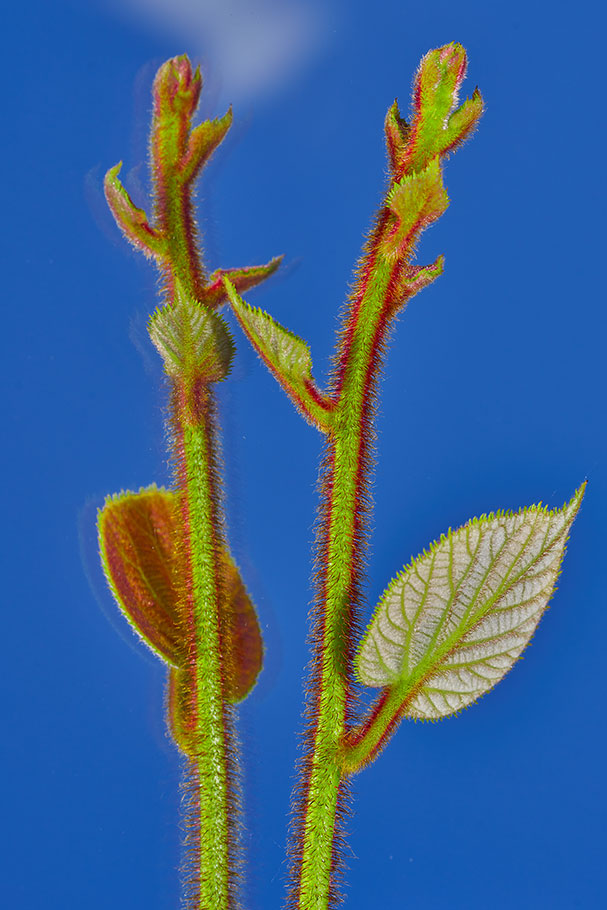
x: 462, y: 122
x: 453, y: 623
x: 415, y: 278
x: 203, y: 141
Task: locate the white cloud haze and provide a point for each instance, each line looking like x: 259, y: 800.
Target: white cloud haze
x: 251, y: 47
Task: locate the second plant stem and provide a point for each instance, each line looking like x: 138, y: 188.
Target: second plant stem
x: 341, y: 544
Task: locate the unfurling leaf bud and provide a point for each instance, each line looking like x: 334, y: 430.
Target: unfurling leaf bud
x: 440, y: 74
x: 437, y: 126
x: 176, y: 89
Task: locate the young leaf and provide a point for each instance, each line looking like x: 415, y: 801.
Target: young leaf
x: 138, y: 552
x: 414, y: 278
x: 415, y: 202
x: 189, y: 336
x: 453, y: 623
x: 287, y: 357
x: 139, y: 543
x: 215, y: 293
x: 203, y: 141
x: 132, y: 220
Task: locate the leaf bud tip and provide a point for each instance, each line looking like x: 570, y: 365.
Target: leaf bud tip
x: 176, y: 87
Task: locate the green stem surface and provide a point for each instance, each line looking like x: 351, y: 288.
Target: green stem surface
x: 197, y: 350
x: 342, y: 539
x: 214, y: 737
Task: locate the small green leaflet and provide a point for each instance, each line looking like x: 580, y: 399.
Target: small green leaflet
x: 453, y: 623
x: 417, y: 200
x: 189, y: 336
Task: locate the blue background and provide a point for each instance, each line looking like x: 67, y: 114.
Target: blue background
x: 493, y: 397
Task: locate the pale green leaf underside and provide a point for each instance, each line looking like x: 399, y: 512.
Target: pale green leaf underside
x: 190, y: 336
x: 453, y: 623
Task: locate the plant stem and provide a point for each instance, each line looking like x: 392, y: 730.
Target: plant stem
x: 365, y: 742
x: 197, y: 350
x: 340, y: 555
x: 213, y: 740
x: 415, y: 199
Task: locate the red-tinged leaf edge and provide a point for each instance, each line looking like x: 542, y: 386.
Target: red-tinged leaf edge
x: 241, y: 633
x: 138, y: 552
x: 132, y: 221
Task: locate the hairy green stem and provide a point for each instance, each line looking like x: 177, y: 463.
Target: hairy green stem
x: 194, y: 437
x: 202, y: 622
x: 213, y: 737
x: 386, y: 280
x: 342, y: 540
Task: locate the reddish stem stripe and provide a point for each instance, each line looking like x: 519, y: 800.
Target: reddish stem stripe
x: 346, y: 336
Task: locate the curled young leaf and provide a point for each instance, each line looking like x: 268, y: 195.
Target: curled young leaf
x: 453, y: 623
